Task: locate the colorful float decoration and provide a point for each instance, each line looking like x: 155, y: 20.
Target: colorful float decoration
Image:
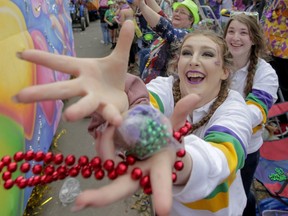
x: 29, y: 24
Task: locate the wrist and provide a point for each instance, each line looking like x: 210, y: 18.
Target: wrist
x: 184, y: 174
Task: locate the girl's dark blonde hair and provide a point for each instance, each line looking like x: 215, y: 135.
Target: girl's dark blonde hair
x: 227, y: 65
x: 258, y: 49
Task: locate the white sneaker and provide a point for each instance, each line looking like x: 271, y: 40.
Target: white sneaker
x: 102, y: 41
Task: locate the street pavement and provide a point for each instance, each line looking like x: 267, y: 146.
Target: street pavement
x: 72, y: 138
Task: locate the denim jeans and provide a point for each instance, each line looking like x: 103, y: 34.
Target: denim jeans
x: 105, y: 33
x: 247, y: 174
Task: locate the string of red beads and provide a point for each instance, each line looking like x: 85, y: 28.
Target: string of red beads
x: 45, y: 170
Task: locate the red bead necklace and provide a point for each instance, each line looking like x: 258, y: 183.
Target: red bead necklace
x: 68, y: 166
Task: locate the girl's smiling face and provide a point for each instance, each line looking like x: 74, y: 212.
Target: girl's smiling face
x: 238, y: 40
x: 200, y: 68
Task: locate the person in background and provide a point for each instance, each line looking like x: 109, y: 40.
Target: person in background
x: 171, y: 33
x: 215, y: 6
x: 103, y: 7
x: 209, y: 183
x: 142, y: 22
x: 256, y: 6
x: 109, y: 18
x: 228, y: 5
x: 126, y: 12
x: 256, y: 81
x: 239, y: 5
x: 166, y: 7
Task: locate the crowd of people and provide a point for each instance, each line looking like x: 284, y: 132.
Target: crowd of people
x: 153, y: 59
x: 223, y: 84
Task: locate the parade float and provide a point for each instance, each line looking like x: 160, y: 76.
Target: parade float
x: 29, y: 24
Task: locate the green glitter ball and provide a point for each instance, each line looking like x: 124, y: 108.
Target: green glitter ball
x: 144, y: 131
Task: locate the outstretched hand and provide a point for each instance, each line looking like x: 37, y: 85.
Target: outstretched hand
x: 99, y: 82
x: 159, y: 167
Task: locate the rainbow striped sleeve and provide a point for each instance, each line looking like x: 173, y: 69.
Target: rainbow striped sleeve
x: 232, y: 147
x: 229, y: 143
x: 263, y: 101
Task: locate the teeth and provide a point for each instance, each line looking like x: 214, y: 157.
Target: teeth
x: 195, y: 75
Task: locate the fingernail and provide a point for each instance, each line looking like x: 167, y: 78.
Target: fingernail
x: 19, y: 55
x: 77, y: 208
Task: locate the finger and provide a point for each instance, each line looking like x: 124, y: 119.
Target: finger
x: 106, y: 146
x: 89, y: 104
x: 83, y: 107
x: 125, y: 39
x: 65, y: 64
x: 124, y: 42
x: 111, y: 114
x: 161, y: 180
x: 182, y: 109
x: 118, y: 189
x: 52, y: 91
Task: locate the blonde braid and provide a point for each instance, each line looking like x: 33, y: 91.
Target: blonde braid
x: 222, y: 95
x: 176, y: 91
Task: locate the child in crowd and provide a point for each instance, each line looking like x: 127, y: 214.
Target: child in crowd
x: 256, y: 81
x: 103, y: 7
x: 125, y: 12
x: 109, y: 18
x: 210, y: 182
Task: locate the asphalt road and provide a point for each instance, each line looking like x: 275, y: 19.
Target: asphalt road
x: 72, y: 138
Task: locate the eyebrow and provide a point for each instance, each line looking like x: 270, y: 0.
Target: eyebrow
x: 202, y: 47
x: 231, y: 27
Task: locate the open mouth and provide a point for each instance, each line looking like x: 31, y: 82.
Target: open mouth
x: 236, y: 45
x: 194, y: 77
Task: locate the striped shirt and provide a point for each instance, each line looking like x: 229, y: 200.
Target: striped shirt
x: 260, y: 100
x: 218, y: 151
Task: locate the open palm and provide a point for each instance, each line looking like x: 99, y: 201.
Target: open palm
x: 99, y: 82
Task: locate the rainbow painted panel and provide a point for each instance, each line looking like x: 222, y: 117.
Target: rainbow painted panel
x: 29, y: 24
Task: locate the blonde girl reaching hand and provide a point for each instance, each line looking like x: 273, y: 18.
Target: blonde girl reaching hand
x: 210, y: 183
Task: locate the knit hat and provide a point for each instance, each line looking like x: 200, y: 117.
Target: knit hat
x: 191, y: 6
